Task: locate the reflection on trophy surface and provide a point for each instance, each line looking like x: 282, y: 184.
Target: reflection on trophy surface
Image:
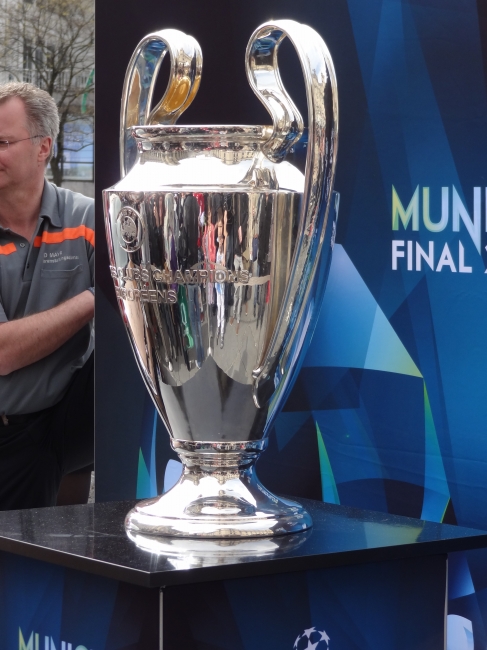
x: 191, y: 553
x: 219, y: 251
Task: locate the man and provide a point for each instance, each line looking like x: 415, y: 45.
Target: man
x: 46, y: 308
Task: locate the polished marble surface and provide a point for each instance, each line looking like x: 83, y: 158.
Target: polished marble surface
x: 92, y: 538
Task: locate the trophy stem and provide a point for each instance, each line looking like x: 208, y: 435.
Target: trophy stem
x: 218, y: 496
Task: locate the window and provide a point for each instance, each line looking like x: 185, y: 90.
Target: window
x: 78, y: 152
x: 28, y: 61
x: 39, y: 55
x: 28, y: 54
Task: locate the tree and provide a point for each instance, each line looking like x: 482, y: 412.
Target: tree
x: 51, y: 43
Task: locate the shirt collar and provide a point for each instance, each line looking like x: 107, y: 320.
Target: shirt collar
x: 49, y: 204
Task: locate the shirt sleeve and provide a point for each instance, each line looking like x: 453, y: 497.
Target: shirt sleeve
x: 91, y: 261
x: 3, y: 315
x: 90, y: 245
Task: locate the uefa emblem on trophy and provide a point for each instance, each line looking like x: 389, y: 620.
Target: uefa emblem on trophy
x: 219, y: 251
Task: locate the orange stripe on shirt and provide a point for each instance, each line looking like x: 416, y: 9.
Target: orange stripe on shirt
x: 67, y: 233
x: 7, y: 249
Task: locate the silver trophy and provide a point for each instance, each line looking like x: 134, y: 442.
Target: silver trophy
x: 218, y: 251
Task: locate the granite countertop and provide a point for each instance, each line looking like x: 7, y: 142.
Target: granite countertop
x: 92, y: 538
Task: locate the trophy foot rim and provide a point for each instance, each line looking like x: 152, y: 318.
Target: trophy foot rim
x: 272, y: 516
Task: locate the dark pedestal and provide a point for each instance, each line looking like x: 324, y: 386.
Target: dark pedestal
x: 70, y: 579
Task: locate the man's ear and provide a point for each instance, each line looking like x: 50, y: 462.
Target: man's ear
x: 45, y: 149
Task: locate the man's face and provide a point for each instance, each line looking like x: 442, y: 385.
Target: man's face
x: 23, y: 161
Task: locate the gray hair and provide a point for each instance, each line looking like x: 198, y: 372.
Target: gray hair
x: 40, y: 107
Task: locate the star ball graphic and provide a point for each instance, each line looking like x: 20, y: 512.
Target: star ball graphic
x: 312, y: 639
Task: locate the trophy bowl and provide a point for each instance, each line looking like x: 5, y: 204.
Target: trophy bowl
x: 219, y: 250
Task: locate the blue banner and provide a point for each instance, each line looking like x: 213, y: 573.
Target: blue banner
x: 48, y: 607
x: 397, y: 605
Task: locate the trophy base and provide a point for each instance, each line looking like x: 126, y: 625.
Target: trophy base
x: 186, y: 553
x: 214, y: 500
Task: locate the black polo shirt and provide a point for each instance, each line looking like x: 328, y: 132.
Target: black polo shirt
x: 35, y: 276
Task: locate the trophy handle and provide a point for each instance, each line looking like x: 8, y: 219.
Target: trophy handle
x: 140, y: 78
x: 321, y: 92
